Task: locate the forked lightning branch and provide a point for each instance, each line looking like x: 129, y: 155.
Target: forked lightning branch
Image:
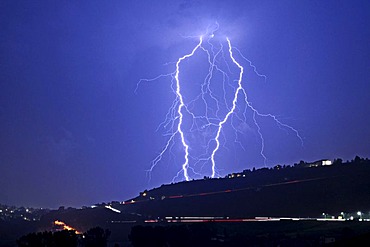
x: 196, y: 122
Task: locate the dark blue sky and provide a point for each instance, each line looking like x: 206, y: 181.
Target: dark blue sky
x: 73, y: 132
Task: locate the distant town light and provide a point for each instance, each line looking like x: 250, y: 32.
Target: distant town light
x: 359, y: 213
x: 113, y: 209
x: 326, y: 162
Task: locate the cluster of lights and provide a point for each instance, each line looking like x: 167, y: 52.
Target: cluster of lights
x: 27, y: 214
x: 359, y: 215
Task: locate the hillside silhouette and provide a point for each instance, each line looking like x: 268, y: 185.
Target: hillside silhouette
x: 305, y: 190
x: 302, y: 190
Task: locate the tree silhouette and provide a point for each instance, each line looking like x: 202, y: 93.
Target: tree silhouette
x: 65, y: 238
x: 48, y: 239
x: 96, y: 237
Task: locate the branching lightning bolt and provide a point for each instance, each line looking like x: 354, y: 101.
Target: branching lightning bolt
x: 179, y: 110
x: 221, y: 123
x: 213, y: 120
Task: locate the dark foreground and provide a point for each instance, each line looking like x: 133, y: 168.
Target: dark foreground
x: 282, y: 233
x: 270, y: 233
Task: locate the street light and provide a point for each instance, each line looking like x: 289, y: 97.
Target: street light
x: 359, y: 214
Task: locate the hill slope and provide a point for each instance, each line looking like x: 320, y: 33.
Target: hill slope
x: 292, y: 191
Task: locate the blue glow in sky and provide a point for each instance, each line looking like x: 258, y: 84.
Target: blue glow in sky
x: 73, y: 131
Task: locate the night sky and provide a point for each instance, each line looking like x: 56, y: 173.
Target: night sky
x: 73, y: 131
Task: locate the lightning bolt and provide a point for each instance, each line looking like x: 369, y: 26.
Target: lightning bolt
x: 221, y: 123
x: 216, y: 112
x: 179, y: 110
